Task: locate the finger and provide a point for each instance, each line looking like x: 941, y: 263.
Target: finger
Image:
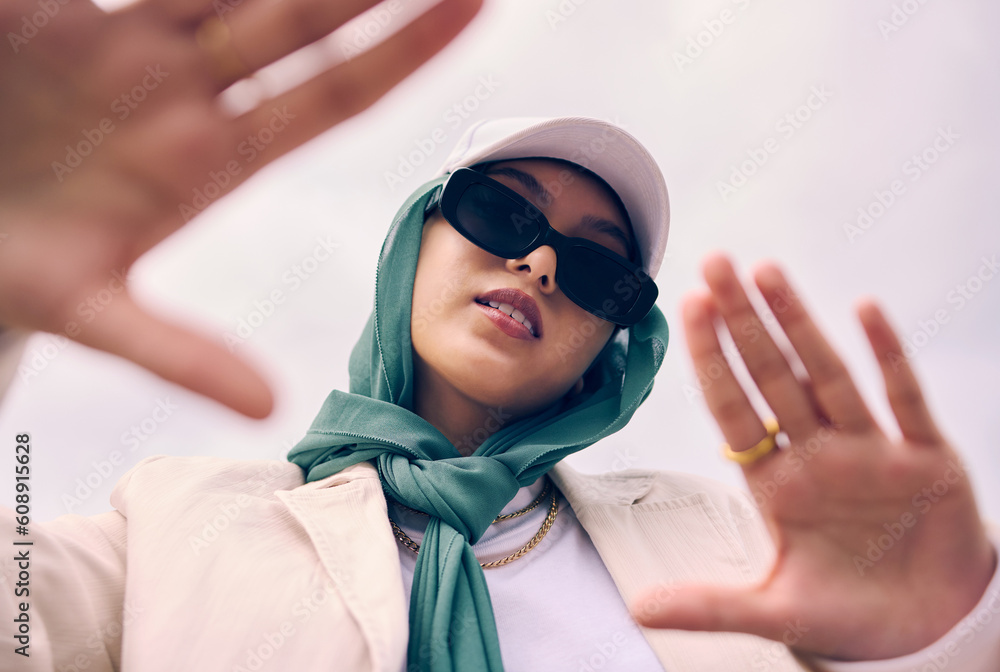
x: 707, y: 608
x: 764, y: 360
x: 901, y: 386
x: 833, y: 387
x: 177, y: 355
x: 177, y: 11
x: 305, y: 111
x: 263, y: 32
x: 726, y: 400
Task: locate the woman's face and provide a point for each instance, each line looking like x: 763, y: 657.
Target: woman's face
x: 478, y: 352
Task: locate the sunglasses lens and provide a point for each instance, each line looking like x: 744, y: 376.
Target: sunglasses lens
x: 497, y: 221
x: 606, y: 286
x: 508, y: 226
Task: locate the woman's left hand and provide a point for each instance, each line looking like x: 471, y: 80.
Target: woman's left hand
x: 880, y: 548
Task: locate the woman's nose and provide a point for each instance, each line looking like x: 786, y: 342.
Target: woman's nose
x: 540, y: 265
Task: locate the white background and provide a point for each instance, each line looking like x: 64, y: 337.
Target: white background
x: 890, y: 93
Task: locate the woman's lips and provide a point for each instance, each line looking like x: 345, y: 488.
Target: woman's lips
x: 509, y: 300
x: 506, y: 323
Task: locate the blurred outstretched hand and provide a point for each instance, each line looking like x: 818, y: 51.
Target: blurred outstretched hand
x: 880, y: 547
x: 112, y: 137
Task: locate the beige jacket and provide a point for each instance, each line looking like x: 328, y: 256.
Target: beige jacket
x: 238, y: 565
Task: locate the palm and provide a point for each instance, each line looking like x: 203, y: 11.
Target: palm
x: 114, y: 137
x: 879, y: 546
x: 851, y: 539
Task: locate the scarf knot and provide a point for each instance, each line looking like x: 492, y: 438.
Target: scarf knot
x: 466, y: 493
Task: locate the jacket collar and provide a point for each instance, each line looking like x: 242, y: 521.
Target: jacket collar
x: 618, y: 510
x: 359, y: 555
x: 629, y: 520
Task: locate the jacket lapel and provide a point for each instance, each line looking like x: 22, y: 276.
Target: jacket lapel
x: 648, y: 537
x: 346, y: 520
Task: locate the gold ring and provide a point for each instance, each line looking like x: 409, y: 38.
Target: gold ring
x: 214, y: 36
x: 759, y: 450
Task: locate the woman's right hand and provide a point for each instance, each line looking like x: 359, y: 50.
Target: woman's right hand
x: 110, y: 122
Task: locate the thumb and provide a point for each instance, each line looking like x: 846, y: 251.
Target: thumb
x: 176, y: 354
x: 707, y: 608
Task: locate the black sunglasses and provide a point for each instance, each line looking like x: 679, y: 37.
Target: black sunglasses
x: 502, y: 222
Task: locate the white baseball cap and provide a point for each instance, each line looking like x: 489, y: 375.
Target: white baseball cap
x: 601, y: 147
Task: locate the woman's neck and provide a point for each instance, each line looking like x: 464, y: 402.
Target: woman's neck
x: 465, y: 422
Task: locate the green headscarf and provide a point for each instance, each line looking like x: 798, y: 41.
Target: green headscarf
x: 420, y: 467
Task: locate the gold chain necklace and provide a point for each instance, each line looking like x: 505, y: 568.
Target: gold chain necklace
x: 542, y: 531
x: 506, y: 516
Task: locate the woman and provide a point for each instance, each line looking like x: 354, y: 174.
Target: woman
x: 329, y: 574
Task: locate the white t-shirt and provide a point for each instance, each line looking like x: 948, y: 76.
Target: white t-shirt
x: 557, y: 608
